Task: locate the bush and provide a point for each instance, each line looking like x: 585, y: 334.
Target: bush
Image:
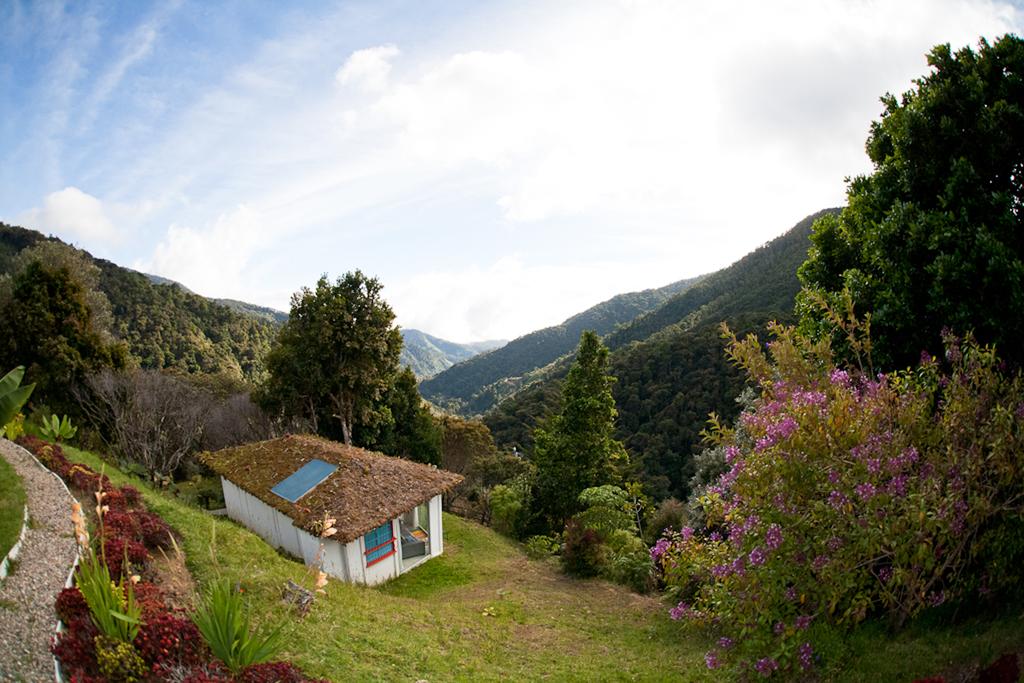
x: 628, y: 561
x: 70, y: 605
x: 671, y: 514
x: 539, y: 547
x: 583, y: 553
x: 275, y: 672
x: 76, y: 650
x: 855, y: 495
x: 167, y: 640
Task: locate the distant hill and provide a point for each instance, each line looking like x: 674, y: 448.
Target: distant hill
x: 670, y: 367
x: 477, y: 385
x: 166, y: 325
x: 428, y: 355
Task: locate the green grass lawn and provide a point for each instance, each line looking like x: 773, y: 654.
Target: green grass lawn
x: 482, y: 611
x: 12, y: 506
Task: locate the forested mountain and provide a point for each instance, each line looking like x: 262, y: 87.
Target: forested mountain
x: 165, y: 325
x: 428, y: 355
x: 669, y: 381
x: 477, y: 385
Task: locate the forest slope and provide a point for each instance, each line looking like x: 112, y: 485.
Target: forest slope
x: 165, y: 325
x: 428, y: 355
x: 671, y: 379
x: 478, y: 384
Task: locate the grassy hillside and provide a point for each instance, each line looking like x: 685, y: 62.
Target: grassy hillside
x: 428, y: 355
x: 483, y: 612
x: 475, y: 386
x: 165, y: 325
x: 670, y: 365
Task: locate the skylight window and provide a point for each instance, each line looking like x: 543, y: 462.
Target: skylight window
x: 304, y: 480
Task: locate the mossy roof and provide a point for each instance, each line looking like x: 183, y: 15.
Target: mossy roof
x: 366, y: 490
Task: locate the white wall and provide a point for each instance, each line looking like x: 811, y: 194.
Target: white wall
x: 342, y: 561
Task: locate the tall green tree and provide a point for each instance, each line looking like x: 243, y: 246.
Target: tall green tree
x: 50, y: 328
x: 934, y: 237
x: 402, y: 425
x: 336, y: 356
x: 576, y: 449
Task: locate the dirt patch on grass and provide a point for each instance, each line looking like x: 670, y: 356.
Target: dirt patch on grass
x: 171, y: 574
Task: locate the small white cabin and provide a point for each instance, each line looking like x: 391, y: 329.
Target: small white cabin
x: 387, y: 510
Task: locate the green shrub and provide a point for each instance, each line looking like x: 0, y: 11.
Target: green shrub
x: 539, y: 547
x: 111, y: 604
x: 671, y: 513
x: 224, y: 623
x: 119, y: 661
x: 57, y: 429
x: 510, y: 504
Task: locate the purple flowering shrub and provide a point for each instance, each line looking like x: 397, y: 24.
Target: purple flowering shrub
x: 850, y: 495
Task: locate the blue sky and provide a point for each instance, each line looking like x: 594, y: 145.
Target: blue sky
x: 499, y: 166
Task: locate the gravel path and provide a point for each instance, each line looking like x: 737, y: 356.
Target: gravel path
x: 27, y: 618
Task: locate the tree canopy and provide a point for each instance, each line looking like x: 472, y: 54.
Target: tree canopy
x: 336, y: 356
x: 934, y: 236
x: 576, y: 449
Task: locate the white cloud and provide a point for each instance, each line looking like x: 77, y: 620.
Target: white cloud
x: 368, y: 69
x: 73, y: 214
x: 473, y: 304
x: 212, y: 260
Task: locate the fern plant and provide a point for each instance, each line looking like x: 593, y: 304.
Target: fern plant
x: 224, y: 623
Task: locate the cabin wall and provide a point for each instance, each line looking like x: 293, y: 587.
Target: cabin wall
x: 389, y: 567
x: 436, y: 532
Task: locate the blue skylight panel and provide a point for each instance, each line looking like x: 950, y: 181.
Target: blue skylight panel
x: 304, y: 480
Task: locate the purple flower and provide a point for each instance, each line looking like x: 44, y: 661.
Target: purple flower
x: 837, y: 500
x: 778, y: 628
x: 659, y: 548
x: 840, y: 378
x: 725, y: 643
x: 731, y: 453
x: 866, y: 491
x: 720, y: 571
x: 711, y: 659
x: 687, y: 533
x: 791, y: 594
x: 804, y: 621
x: 884, y: 574
x: 679, y: 611
x: 766, y: 666
x: 898, y: 485
x: 833, y: 544
x: 757, y: 557
x: 833, y: 477
x: 874, y: 465
x: 773, y: 537
x: 715, y: 536
x: 777, y: 432
x: 737, y: 566
x: 936, y: 599
x: 819, y: 562
x: 806, y: 653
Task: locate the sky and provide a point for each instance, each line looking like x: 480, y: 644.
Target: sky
x: 498, y: 166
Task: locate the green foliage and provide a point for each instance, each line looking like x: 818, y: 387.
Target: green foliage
x: 12, y: 506
x: 111, y: 603
x: 224, y: 622
x: 510, y: 504
x: 52, y: 332
x: 576, y: 449
x: 539, y: 547
x: 12, y: 397
x: 932, y: 237
x: 335, y: 357
x: 57, y: 429
x: 628, y: 561
x: 607, y: 509
x: 403, y: 425
x: 476, y: 385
